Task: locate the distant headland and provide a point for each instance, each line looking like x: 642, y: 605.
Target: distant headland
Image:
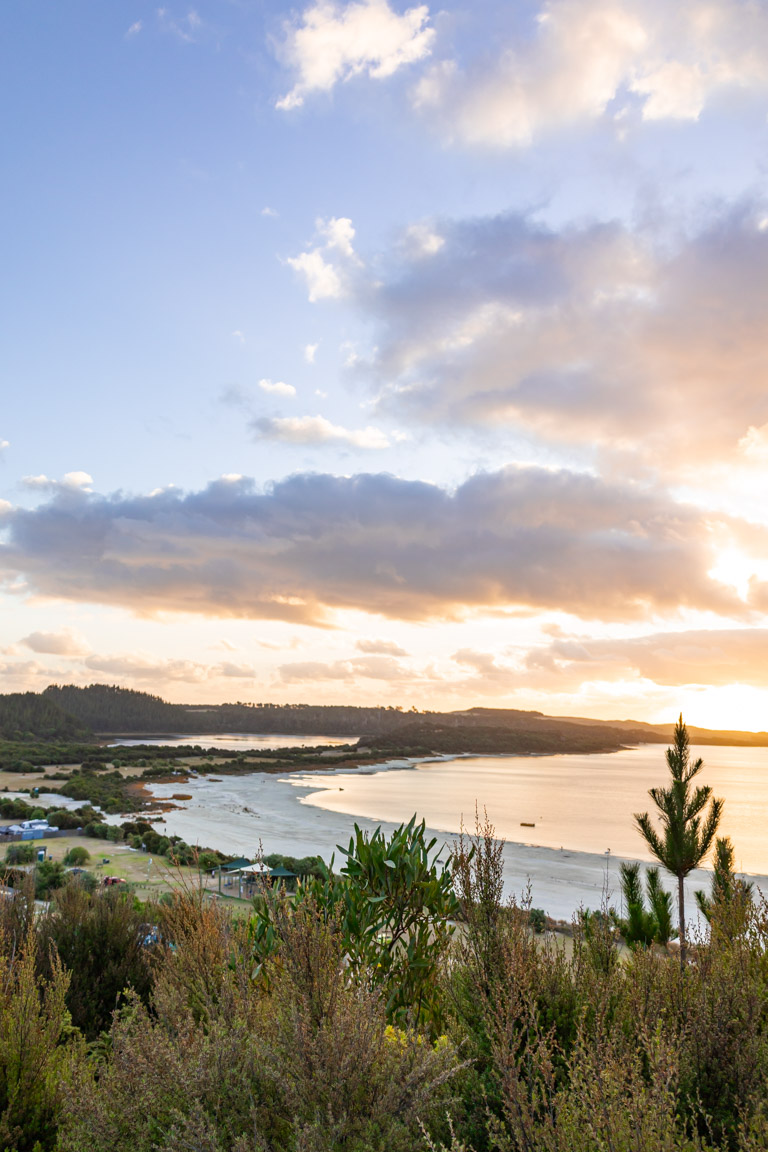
x: 100, y: 711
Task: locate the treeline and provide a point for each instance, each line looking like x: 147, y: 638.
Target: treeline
x: 30, y: 715
x: 107, y: 708
x: 422, y: 737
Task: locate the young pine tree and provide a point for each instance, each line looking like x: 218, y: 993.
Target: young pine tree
x: 687, y: 829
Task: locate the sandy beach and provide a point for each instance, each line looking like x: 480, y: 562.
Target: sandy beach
x: 243, y: 814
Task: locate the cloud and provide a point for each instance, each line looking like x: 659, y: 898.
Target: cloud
x: 317, y: 430
x: 6, y: 443
x: 64, y: 643
x: 380, y: 648
x: 322, y: 280
x: 314, y: 544
x: 136, y: 667
x: 420, y: 241
x: 591, y: 334
x: 71, y: 481
x: 277, y: 388
x: 335, y: 42
x: 238, y: 336
x: 580, y: 60
x: 328, y: 268
x: 267, y: 211
x: 714, y: 657
x: 310, y: 350
x: 366, y: 667
x: 186, y: 28
x: 237, y: 671
x: 134, y: 29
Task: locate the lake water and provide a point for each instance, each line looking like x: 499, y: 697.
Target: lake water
x: 241, y: 742
x: 581, y: 803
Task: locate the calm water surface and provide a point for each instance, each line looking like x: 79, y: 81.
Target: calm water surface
x: 242, y: 742
x: 581, y: 803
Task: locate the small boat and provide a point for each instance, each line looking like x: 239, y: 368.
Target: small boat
x: 525, y: 824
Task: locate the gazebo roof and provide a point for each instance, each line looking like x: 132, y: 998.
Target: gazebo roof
x: 282, y: 873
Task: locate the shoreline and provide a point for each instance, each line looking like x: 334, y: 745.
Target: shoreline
x: 244, y: 814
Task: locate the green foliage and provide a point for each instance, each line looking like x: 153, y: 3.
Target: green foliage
x: 98, y: 831
x: 21, y: 853
x: 299, y: 865
x: 28, y: 716
x: 687, y: 830
x: 727, y: 888
x: 77, y: 856
x: 49, y: 875
x: 645, y: 926
x: 36, y: 1045
x: 392, y: 906
x: 398, y: 902
x: 537, y: 919
x: 301, y: 1062
x: 98, y: 938
x: 107, y: 789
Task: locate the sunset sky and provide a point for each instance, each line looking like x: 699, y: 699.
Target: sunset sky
x: 365, y: 353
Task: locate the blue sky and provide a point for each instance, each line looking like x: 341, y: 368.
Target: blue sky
x: 465, y: 304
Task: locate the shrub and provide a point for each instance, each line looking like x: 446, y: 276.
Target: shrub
x: 77, y: 856
x: 49, y: 875
x: 35, y: 1045
x: 299, y: 1059
x: 98, y: 937
x: 23, y: 853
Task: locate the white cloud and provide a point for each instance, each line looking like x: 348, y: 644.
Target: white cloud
x: 310, y: 351
x: 335, y: 42
x: 277, y: 388
x: 267, y: 211
x: 339, y: 234
x: 421, y: 241
x: 328, y: 267
x: 78, y: 480
x: 134, y: 29
x: 6, y: 443
x: 238, y: 335
x: 71, y: 481
x: 317, y: 430
x: 322, y: 279
x: 584, y: 55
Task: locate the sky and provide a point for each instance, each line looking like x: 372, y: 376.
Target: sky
x: 365, y: 353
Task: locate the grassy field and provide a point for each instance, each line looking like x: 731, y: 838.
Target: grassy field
x: 150, y: 876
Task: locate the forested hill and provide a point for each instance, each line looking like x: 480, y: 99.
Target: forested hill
x: 106, y: 708
x: 29, y: 714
